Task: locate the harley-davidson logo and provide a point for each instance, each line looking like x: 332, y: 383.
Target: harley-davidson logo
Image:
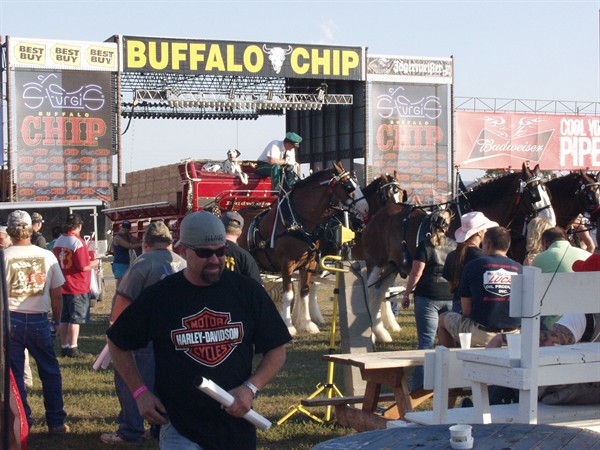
x: 208, y: 337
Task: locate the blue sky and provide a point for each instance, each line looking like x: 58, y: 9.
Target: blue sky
x: 543, y: 50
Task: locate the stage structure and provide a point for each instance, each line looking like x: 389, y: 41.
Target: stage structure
x: 194, y: 79
x: 69, y: 102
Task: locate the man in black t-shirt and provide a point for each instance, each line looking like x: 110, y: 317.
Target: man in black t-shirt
x: 238, y: 259
x: 37, y: 238
x: 203, y: 322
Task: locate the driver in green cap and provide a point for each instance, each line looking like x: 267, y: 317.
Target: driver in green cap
x: 279, y: 155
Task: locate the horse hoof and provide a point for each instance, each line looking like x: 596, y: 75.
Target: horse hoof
x: 317, y: 318
x: 381, y: 336
x: 292, y: 330
x: 308, y: 327
x: 395, y: 327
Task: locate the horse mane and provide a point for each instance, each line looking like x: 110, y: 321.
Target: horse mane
x: 374, y: 185
x: 502, y: 185
x: 300, y: 184
x: 569, y: 181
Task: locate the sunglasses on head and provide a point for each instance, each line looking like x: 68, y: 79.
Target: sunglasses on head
x: 207, y: 252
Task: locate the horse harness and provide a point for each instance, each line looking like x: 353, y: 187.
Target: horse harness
x: 292, y: 224
x: 588, y: 192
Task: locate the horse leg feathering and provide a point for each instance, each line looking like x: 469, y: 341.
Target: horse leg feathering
x: 286, y: 310
x: 301, y: 314
x: 313, y: 305
x: 376, y: 295
x: 388, y: 318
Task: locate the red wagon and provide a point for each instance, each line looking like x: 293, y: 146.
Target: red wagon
x: 200, y: 190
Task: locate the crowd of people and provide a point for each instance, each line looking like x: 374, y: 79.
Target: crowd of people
x: 474, y: 293
x: 196, y: 309
x: 176, y: 317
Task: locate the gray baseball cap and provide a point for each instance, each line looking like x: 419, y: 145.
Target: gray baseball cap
x: 201, y: 229
x: 229, y: 219
x: 19, y: 219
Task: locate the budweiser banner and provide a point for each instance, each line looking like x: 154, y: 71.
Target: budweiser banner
x: 264, y: 59
x: 409, y: 134
x: 63, y: 55
x: 63, y: 135
x: 502, y: 140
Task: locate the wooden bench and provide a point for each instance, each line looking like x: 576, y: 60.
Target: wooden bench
x: 534, y: 294
x: 443, y: 374
x: 378, y: 369
x: 348, y: 400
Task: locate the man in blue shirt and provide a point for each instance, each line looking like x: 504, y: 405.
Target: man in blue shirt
x: 484, y: 294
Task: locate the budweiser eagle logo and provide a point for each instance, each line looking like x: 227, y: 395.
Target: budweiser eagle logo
x: 208, y: 337
x: 522, y: 140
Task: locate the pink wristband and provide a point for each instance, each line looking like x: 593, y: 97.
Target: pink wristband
x: 140, y: 391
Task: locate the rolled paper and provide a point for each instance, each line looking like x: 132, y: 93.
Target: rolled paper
x: 215, y: 391
x: 103, y: 359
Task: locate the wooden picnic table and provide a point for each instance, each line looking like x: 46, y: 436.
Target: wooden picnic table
x: 512, y: 436
x: 381, y: 369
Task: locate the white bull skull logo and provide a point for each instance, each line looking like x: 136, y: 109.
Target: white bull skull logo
x: 277, y: 56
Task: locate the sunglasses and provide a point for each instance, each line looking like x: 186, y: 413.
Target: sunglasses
x: 207, y: 252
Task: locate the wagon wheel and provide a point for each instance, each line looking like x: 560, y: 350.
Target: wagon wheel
x: 273, y: 288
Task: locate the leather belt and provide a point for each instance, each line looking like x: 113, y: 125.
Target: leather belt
x: 495, y: 330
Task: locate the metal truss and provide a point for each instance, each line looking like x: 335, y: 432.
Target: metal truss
x: 181, y: 96
x: 477, y: 104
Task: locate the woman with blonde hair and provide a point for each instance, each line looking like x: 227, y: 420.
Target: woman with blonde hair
x: 535, y: 228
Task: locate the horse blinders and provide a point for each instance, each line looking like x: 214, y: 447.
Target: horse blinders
x: 589, y: 192
x: 439, y: 222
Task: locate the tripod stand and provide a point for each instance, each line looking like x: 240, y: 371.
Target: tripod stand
x: 329, y: 388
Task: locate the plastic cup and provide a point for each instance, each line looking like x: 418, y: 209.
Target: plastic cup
x: 465, y: 340
x: 460, y: 436
x: 460, y: 433
x: 514, y: 345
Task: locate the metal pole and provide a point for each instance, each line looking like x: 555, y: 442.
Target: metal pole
x: 452, y: 112
x: 9, y: 152
x: 119, y: 139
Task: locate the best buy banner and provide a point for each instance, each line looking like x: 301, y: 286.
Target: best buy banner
x: 264, y: 59
x: 63, y: 55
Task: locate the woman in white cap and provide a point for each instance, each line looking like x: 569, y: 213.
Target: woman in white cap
x: 468, y: 237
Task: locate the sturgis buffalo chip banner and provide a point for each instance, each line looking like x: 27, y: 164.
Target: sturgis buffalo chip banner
x: 63, y: 135
x: 264, y: 59
x: 409, y: 129
x: 502, y: 140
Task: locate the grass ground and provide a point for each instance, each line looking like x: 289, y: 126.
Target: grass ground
x: 92, y: 405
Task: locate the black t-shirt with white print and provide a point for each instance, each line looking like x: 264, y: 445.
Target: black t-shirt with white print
x: 210, y: 332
